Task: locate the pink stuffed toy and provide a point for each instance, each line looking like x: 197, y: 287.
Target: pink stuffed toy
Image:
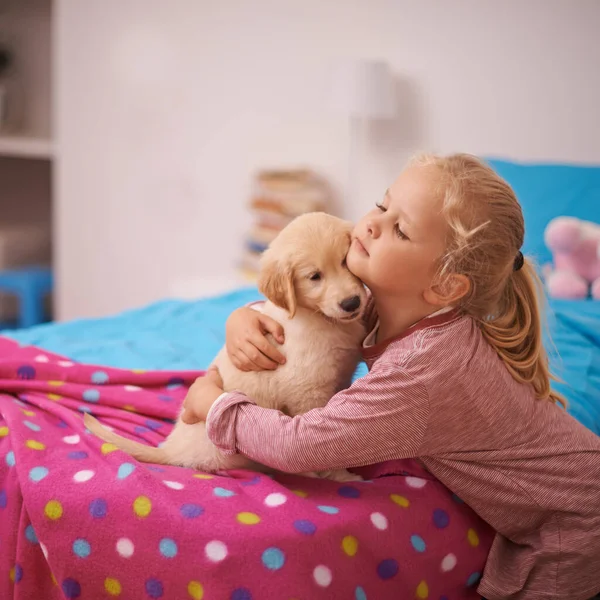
x: 575, y: 247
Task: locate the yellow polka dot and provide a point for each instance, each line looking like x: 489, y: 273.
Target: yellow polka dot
x: 473, y: 537
x: 53, y: 579
x: 350, y: 545
x: 300, y: 493
x: 248, y: 518
x: 142, y: 506
x: 12, y: 574
x: 35, y: 445
x: 112, y: 586
x: 53, y: 510
x: 54, y: 397
x: 423, y: 590
x: 29, y: 413
x: 107, y: 448
x: 129, y: 407
x: 202, y: 476
x: 400, y: 500
x: 138, y: 371
x: 195, y: 590
x: 56, y: 383
x: 3, y: 431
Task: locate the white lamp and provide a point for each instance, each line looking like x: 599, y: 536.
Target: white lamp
x: 361, y: 90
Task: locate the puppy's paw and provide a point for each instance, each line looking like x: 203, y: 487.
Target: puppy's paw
x: 341, y: 475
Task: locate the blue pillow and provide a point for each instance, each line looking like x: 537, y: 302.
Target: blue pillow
x: 546, y: 191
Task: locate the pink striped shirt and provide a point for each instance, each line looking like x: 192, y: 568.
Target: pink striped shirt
x: 440, y: 393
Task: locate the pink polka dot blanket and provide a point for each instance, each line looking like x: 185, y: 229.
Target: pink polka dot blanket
x: 81, y: 519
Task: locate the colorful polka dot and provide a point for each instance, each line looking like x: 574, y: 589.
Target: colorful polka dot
x: 154, y: 588
x: 275, y: 499
x: 81, y: 548
x: 83, y: 476
x: 387, y: 568
x: 473, y: 538
x: 273, y: 559
x: 77, y: 455
x: 360, y: 594
x: 168, y: 548
x: 72, y: 439
x: 416, y: 482
x: 240, y: 594
x: 84, y: 409
x: 223, y: 492
x: 347, y: 491
x: 56, y: 383
x: 248, y: 518
x: 112, y: 586
x: 30, y: 534
x: 300, y: 493
x: 16, y: 573
x: 124, y: 470
x: 457, y: 499
x: 422, y: 590
x: 3, y: 499
x: 132, y: 388
x: 304, y: 526
x: 35, y: 445
x: 44, y: 550
x: 329, y: 510
x: 400, y: 500
x: 142, y: 506
x: 441, y: 519
x: 91, y: 395
x: 322, y: 576
x: 29, y: 413
x: 418, y: 543
x: 32, y: 426
x: 202, y: 476
x: 448, y: 563
x: 99, y: 377
x: 191, y: 511
x: 98, y: 508
x: 195, y: 590
x: 473, y: 579
x: 125, y: 547
x: 38, y: 473
x: 174, y: 485
x: 379, y: 521
x: 71, y: 588
x: 216, y: 551
x: 53, y: 510
x: 3, y: 431
x: 107, y: 448
x: 41, y: 358
x: 350, y: 545
x: 165, y: 398
x: 66, y: 363
x: 10, y: 458
x: 54, y: 397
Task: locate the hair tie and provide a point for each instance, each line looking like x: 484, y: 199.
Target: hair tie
x: 519, y: 260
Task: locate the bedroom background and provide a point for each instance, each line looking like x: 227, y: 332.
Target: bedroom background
x: 145, y: 121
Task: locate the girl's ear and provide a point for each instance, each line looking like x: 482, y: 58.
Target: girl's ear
x: 453, y: 289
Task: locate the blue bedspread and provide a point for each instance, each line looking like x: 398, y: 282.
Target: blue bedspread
x: 175, y: 335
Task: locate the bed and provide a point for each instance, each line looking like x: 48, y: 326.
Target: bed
x: 80, y: 519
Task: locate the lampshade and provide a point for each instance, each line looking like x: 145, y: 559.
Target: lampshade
x: 363, y: 89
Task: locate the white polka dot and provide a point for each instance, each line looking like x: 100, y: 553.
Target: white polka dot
x: 44, y: 550
x: 132, y: 388
x: 448, y: 563
x: 41, y: 358
x: 322, y: 576
x: 379, y: 521
x: 72, y: 439
x: 416, y: 482
x: 216, y: 551
x: 275, y: 499
x: 174, y: 485
x: 125, y: 547
x: 65, y: 363
x: 82, y: 476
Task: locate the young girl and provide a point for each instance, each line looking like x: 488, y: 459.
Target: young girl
x: 458, y: 379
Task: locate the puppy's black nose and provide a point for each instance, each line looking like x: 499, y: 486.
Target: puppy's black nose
x: 350, y: 304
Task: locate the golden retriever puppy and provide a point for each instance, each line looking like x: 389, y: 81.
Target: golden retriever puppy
x: 319, y: 303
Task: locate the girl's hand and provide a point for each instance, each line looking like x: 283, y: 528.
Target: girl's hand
x: 201, y: 396
x: 246, y: 344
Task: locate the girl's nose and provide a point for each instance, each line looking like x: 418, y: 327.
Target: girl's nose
x: 373, y: 228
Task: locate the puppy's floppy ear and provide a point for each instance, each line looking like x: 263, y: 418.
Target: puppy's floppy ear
x: 276, y: 281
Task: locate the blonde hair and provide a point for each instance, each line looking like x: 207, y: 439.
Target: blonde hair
x: 486, y: 234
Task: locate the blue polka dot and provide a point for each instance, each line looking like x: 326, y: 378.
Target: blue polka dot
x: 99, y: 377
x: 191, y: 511
x: 18, y: 573
x: 77, y: 455
x: 157, y: 469
x: 91, y: 395
x: 165, y: 398
x: 125, y: 470
x: 457, y: 499
x: 473, y: 579
x: 84, y: 409
x: 418, y: 543
x: 25, y: 372
x: 98, y: 508
x: 348, y: 491
x: 223, y: 493
x: 304, y: 526
x: 443, y: 597
x: 3, y: 500
x: 61, y: 424
x: 30, y: 534
x: 240, y: 594
x: 154, y: 588
x: 10, y: 458
x: 71, y: 588
x: 82, y: 548
x: 256, y: 479
x: 154, y: 425
x: 330, y: 510
x: 441, y: 519
x: 38, y: 473
x: 359, y: 594
x: 32, y: 426
x: 387, y: 568
x: 167, y: 547
x: 140, y: 429
x: 175, y: 381
x: 273, y: 559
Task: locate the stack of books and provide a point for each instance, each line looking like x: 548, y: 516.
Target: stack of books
x: 277, y: 198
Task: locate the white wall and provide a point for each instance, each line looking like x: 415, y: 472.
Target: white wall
x: 164, y: 109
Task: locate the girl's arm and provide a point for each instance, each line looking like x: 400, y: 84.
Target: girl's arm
x: 382, y: 416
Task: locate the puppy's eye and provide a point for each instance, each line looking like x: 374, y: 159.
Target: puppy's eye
x: 315, y: 276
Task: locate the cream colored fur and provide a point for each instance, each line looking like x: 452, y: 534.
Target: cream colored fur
x: 322, y: 343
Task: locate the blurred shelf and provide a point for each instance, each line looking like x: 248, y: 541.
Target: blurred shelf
x: 25, y: 147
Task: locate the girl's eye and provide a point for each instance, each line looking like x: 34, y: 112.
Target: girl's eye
x: 380, y: 206
x: 400, y: 233
x: 315, y: 276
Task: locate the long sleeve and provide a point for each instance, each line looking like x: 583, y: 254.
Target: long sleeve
x: 382, y: 416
